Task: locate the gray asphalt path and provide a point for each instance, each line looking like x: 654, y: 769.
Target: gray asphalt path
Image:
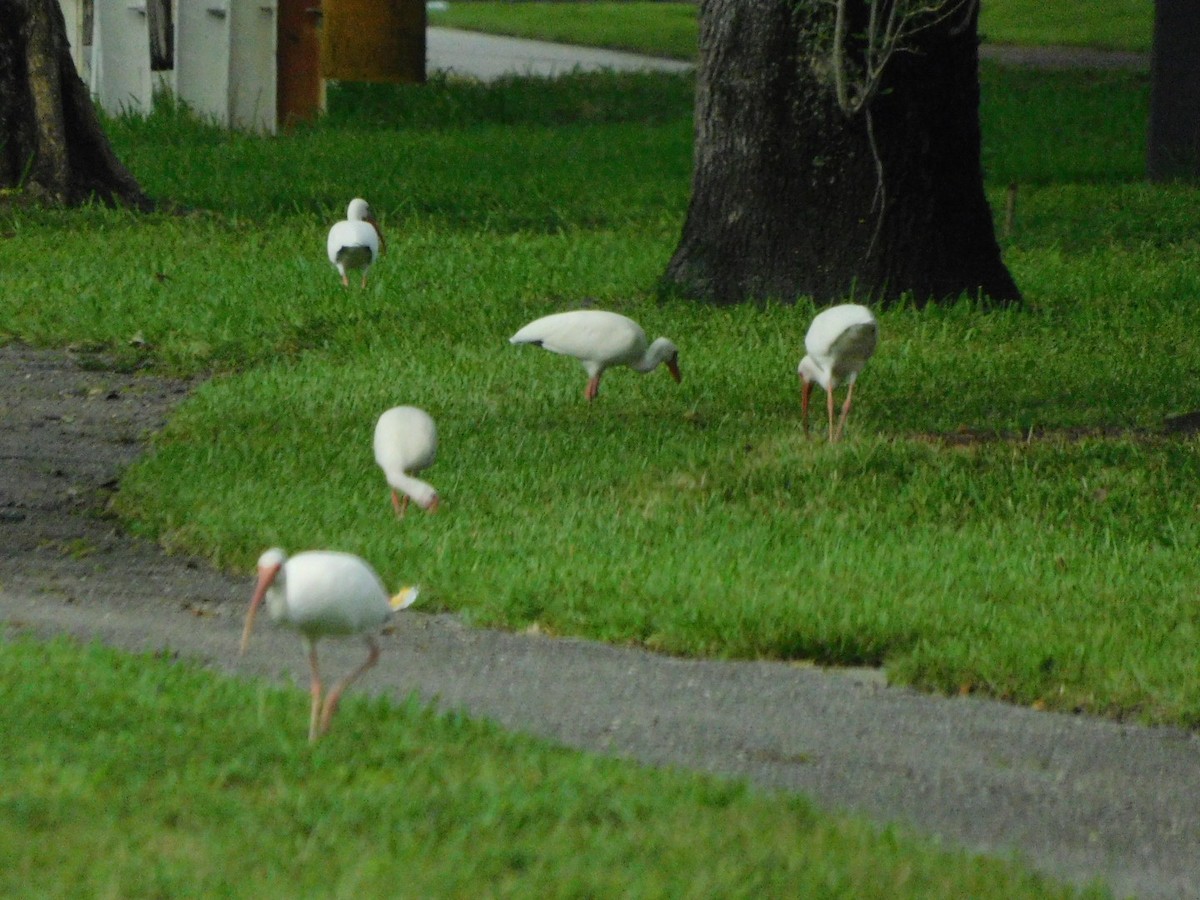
x: 487, y: 57
x: 1078, y: 798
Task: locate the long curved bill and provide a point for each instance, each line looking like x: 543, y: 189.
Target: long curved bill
x: 673, y: 368
x: 266, y: 577
x: 806, y: 389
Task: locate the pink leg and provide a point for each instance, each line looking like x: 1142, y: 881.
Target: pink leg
x: 364, y: 279
x: 345, y: 280
x: 845, y: 410
x: 593, y: 387
x: 829, y: 406
x: 335, y: 695
x: 316, y: 690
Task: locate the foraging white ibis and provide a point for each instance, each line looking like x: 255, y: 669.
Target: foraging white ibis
x: 600, y: 340
x: 322, y: 593
x: 356, y: 241
x: 839, y: 342
x: 405, y: 442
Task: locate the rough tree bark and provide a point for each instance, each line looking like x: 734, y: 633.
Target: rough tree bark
x: 51, y: 143
x: 1173, y: 139
x: 793, y: 197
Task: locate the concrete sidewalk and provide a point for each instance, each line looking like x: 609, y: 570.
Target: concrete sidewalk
x: 488, y: 57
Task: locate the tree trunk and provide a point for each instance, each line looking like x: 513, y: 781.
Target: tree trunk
x: 51, y: 142
x: 1173, y: 141
x: 793, y: 197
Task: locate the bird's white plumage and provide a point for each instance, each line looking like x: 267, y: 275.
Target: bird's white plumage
x: 406, y: 442
x: 354, y: 242
x: 323, y: 593
x: 599, y: 340
x: 838, y: 344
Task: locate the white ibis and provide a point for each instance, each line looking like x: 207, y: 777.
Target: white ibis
x: 406, y: 441
x: 321, y: 593
x: 839, y: 342
x: 599, y: 340
x: 356, y: 241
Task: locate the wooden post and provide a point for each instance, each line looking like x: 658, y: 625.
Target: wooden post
x: 374, y: 40
x: 300, y: 91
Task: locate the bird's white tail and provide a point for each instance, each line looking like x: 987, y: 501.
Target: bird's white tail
x: 405, y: 598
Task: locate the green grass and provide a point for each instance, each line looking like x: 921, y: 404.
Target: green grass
x: 1063, y: 128
x: 659, y: 29
x: 224, y: 797
x: 669, y: 29
x: 1056, y: 571
x: 1104, y: 24
x: 694, y: 520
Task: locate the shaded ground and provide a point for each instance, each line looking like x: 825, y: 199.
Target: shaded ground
x: 1077, y: 797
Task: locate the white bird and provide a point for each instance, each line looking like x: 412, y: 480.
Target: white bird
x: 356, y: 241
x: 839, y: 342
x: 599, y: 340
x: 406, y: 441
x: 322, y: 593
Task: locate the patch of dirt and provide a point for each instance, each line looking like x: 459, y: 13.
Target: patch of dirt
x: 1077, y: 798
x: 69, y: 431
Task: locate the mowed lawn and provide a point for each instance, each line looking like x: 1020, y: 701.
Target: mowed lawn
x: 669, y: 29
x: 1006, y: 515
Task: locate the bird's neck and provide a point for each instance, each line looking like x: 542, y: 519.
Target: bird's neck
x: 654, y: 355
x: 813, y: 372
x: 422, y: 492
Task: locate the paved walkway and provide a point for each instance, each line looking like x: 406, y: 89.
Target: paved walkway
x: 487, y: 57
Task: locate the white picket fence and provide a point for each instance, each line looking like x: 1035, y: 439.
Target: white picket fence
x: 223, y: 63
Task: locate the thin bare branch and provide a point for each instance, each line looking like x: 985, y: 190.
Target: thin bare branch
x: 884, y: 37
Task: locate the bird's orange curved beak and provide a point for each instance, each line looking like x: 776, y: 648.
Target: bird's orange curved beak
x: 266, y: 576
x: 673, y: 368
x: 806, y: 389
